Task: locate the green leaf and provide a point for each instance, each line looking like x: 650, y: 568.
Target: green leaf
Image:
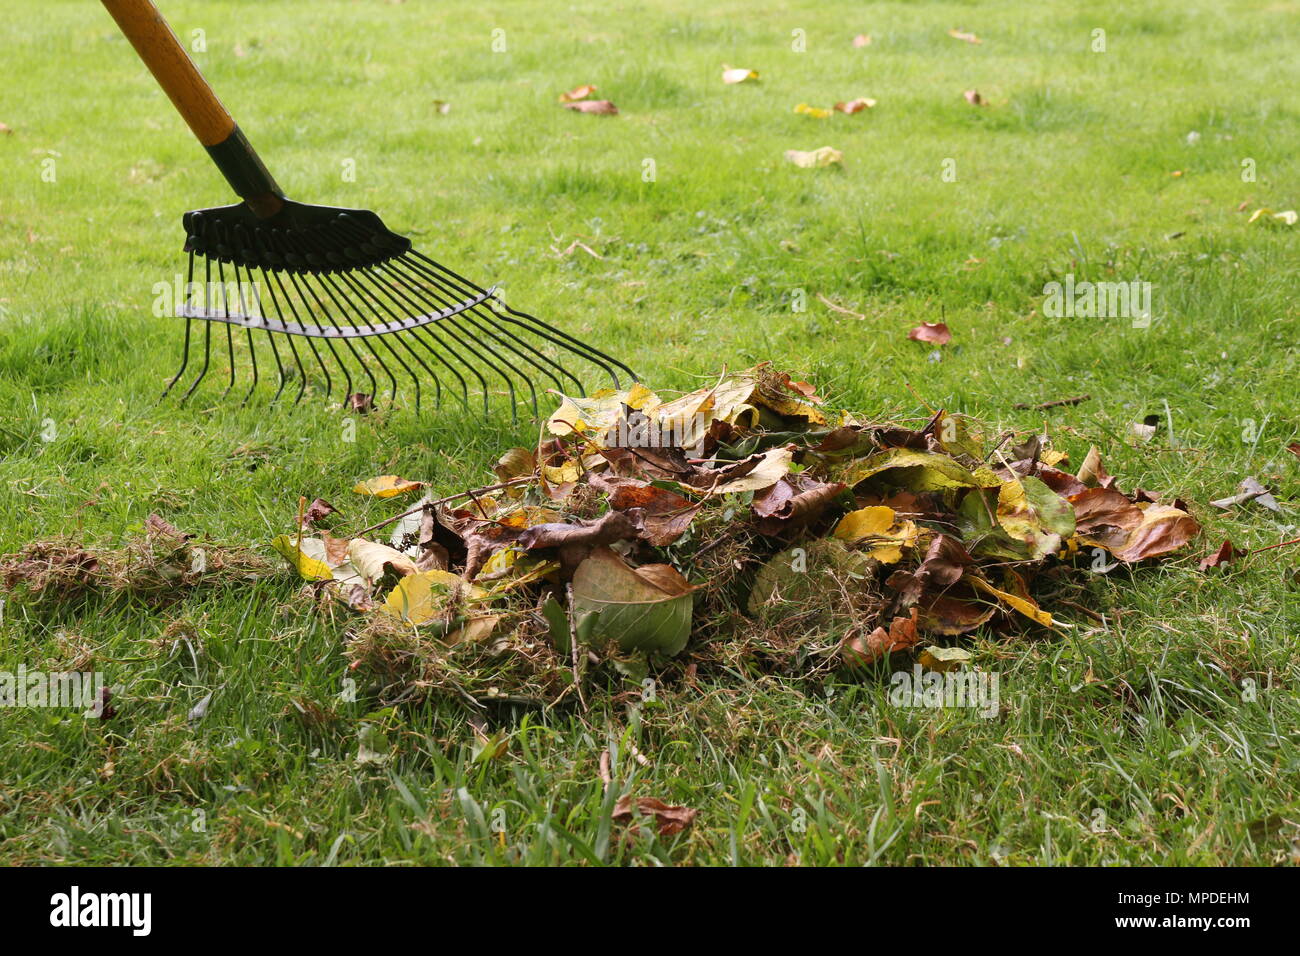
x: 643, y: 609
x: 914, y: 470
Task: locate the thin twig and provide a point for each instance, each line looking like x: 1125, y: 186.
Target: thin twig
x: 1280, y: 544
x: 838, y: 308
x: 443, y: 501
x: 1043, y: 406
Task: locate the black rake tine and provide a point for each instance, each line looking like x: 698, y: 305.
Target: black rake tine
x: 230, y: 329
x: 324, y: 278
x: 306, y: 304
x: 207, y: 333
x: 207, y: 357
x: 288, y: 300
x: 378, y: 283
x: 260, y: 315
x: 442, y: 328
x: 352, y: 282
x: 561, y: 338
x: 423, y: 271
x: 439, y: 301
x: 438, y: 298
x: 326, y: 282
x: 248, y: 330
x: 185, y: 354
x: 279, y: 314
x: 379, y: 286
x: 452, y: 329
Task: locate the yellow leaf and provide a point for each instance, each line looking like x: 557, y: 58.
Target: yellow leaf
x: 937, y: 658
x: 877, y: 523
x: 825, y: 156
x: 816, y: 112
x: 424, y: 596
x: 577, y: 93
x: 1025, y: 606
x: 562, y: 474
x: 310, y: 566
x: 386, y: 486
x: 475, y: 629
x: 1268, y: 217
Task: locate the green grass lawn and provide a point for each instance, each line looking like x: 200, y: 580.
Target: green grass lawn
x: 1136, y: 742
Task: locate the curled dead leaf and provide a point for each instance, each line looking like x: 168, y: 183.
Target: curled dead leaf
x: 596, y: 107
x: 668, y: 819
x: 817, y: 158
x: 856, y: 106
x: 936, y: 333
x: 577, y: 93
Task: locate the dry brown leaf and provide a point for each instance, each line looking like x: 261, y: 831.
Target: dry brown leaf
x: 856, y: 106
x: 577, y: 93
x: 968, y: 37
x: 811, y: 159
x: 934, y: 332
x: 861, y: 651
x: 667, y: 515
x: 596, y: 107
x: 1225, y: 554
x: 974, y: 99
x: 318, y: 509
x: 669, y: 819
x: 861, y: 40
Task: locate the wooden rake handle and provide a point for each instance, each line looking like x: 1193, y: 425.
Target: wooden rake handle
x: 213, y: 126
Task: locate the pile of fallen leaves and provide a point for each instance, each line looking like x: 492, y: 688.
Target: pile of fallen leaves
x: 742, y: 521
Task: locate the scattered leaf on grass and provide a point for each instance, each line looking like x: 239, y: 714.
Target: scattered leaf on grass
x: 1294, y: 448
x: 812, y: 159
x: 373, y: 560
x: 968, y: 37
x: 856, y: 106
x: 1225, y: 554
x: 1267, y: 217
x: 598, y: 107
x: 973, y: 98
x: 936, y: 333
x: 668, y: 819
x: 732, y: 75
x: 861, y: 40
x: 387, y: 486
x: 815, y: 112
x: 1249, y: 490
x: 577, y: 93
x: 317, y: 510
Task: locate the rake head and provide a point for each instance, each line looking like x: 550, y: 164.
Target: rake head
x: 334, y: 298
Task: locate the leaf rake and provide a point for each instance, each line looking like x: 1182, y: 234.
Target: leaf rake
x: 339, y: 299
